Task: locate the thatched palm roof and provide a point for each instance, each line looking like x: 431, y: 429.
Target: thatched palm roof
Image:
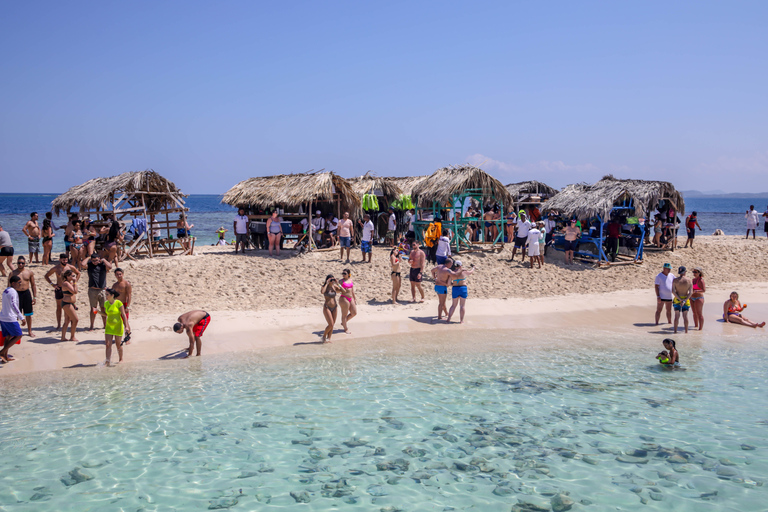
x: 407, y: 183
x: 530, y: 187
x: 586, y: 201
x: 446, y: 182
x: 99, y: 193
x: 370, y: 184
x: 292, y: 191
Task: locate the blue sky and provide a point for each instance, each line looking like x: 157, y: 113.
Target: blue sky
x: 210, y: 93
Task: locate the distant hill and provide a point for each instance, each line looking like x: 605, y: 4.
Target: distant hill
x: 719, y: 193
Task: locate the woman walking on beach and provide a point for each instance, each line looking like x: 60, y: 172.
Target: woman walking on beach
x: 348, y: 299
x: 116, y: 324
x: 274, y: 232
x: 68, y: 307
x: 732, y: 309
x: 48, y: 235
x: 330, y: 308
x: 697, y: 298
x: 459, y: 289
x: 394, y: 263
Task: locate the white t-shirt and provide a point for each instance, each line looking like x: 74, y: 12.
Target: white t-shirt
x: 665, y: 285
x: 522, y: 228
x: 304, y: 223
x: 443, y: 246
x: 10, y: 312
x: 533, y: 236
x: 318, y: 223
x: 409, y: 217
x: 154, y: 226
x: 241, y: 225
x: 332, y: 224
x: 549, y: 225
x: 368, y: 231
x: 753, y: 219
x: 392, y: 222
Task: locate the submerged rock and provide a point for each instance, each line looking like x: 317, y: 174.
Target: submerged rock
x: 748, y: 447
x: 222, y: 503
x: 259, y: 424
x: 355, y: 442
x: 561, y: 503
x: 75, y: 477
x: 629, y: 459
x: 376, y: 490
x: 414, y: 452
x: 726, y: 472
x: 301, y: 496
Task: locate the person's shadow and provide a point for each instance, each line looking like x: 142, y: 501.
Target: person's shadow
x: 426, y: 319
x: 81, y: 365
x: 179, y: 354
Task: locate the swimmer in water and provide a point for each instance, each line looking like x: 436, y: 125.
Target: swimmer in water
x: 674, y: 357
x: 663, y: 357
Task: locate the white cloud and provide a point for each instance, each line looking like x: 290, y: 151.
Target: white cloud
x: 557, y: 171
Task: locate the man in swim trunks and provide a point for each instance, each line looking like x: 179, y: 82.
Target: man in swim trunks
x: 663, y: 286
x: 442, y: 274
x: 366, y: 243
x: 194, y: 323
x: 682, y: 288
x: 62, y: 266
x: 345, y: 235
x: 32, y: 230
x: 27, y: 291
x: 125, y: 289
x: 691, y: 223
x: 416, y: 259
x: 6, y: 251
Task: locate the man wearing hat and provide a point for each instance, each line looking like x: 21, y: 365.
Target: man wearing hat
x: 523, y: 226
x: 682, y: 288
x: 318, y: 224
x: 664, y: 296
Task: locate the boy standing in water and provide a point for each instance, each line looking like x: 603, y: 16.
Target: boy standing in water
x: 194, y: 323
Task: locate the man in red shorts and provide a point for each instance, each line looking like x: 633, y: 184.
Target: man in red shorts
x: 194, y: 323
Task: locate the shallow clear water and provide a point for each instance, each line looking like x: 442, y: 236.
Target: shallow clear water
x: 371, y: 425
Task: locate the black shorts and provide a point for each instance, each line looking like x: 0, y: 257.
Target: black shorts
x: 571, y: 245
x: 25, y: 302
x: 691, y: 232
x: 415, y: 275
x: 666, y: 300
x: 6, y: 251
x: 520, y: 241
x: 58, y: 293
x: 765, y: 227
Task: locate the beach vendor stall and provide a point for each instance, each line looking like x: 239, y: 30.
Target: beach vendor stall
x: 529, y: 196
x: 376, y: 196
x: 142, y: 202
x: 446, y: 195
x: 298, y: 198
x: 612, y: 215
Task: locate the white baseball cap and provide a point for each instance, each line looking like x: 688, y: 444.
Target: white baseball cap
x: 457, y: 263
x: 318, y: 212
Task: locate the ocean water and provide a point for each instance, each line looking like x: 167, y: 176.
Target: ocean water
x: 375, y: 425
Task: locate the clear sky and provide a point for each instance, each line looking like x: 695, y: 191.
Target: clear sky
x: 210, y: 93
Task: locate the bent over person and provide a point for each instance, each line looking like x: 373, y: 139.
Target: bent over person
x: 194, y: 323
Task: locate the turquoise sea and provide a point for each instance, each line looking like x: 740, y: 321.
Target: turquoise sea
x: 477, y: 421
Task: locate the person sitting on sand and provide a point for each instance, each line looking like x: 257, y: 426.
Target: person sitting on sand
x: 194, y: 324
x: 68, y: 304
x: 222, y: 233
x: 416, y: 259
x: 395, y: 273
x: 732, y: 309
x: 116, y: 320
x: 673, y: 358
x: 459, y: 289
x: 682, y: 289
x: 329, y: 290
x: 347, y: 300
x: 442, y: 274
x: 10, y: 316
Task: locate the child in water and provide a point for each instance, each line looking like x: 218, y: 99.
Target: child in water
x: 663, y: 357
x: 673, y: 358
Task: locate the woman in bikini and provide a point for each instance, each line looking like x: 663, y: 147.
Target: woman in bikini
x: 76, y: 246
x: 348, y: 299
x: 459, y: 290
x: 394, y: 263
x: 673, y: 358
x: 68, y: 307
x: 658, y: 227
x: 732, y: 309
x: 330, y: 308
x: 48, y: 235
x: 697, y: 298
x: 274, y: 232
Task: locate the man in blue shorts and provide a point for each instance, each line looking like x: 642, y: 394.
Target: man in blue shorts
x: 442, y: 274
x: 10, y: 315
x: 366, y: 244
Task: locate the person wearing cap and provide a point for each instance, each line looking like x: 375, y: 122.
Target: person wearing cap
x: 459, y: 291
x: 697, y: 298
x: 663, y: 285
x: 389, y: 238
x: 682, y: 288
x: 318, y: 224
x: 523, y: 226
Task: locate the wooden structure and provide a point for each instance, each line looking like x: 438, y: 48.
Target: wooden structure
x: 610, y: 197
x: 302, y: 193
x: 529, y: 193
x: 129, y: 196
x: 448, y: 191
x: 385, y: 190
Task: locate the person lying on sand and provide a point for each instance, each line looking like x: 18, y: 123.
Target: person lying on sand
x: 732, y: 309
x: 194, y: 323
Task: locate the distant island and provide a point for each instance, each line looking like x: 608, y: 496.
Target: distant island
x: 719, y: 193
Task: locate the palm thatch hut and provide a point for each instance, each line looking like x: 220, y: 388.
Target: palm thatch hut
x: 451, y: 189
x: 385, y: 189
x: 407, y: 183
x: 297, y: 195
x: 136, y: 196
x: 616, y: 198
x: 530, y: 194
